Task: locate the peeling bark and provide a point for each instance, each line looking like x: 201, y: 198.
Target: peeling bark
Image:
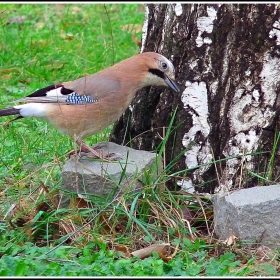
x: 227, y: 59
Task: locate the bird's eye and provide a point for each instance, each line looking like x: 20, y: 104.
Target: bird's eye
x: 164, y: 65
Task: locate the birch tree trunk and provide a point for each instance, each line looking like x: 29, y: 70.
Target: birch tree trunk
x: 227, y: 61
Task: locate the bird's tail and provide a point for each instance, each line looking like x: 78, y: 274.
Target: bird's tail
x: 9, y: 111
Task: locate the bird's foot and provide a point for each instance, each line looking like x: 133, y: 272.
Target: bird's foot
x: 93, y: 152
x: 89, y: 154
x: 108, y: 157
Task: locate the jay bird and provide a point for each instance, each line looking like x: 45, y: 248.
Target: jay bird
x: 86, y: 106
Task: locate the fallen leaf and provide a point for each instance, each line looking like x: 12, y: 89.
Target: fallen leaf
x: 6, y: 77
x: 78, y: 202
x: 188, y: 214
x: 67, y: 36
x: 123, y: 249
x: 43, y: 206
x: 132, y: 28
x: 263, y: 252
x: 161, y: 249
x: 136, y: 41
x: 231, y: 240
x: 6, y: 70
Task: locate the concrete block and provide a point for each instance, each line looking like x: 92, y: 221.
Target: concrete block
x: 252, y: 214
x: 94, y: 176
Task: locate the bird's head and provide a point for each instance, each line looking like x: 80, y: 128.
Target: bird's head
x: 159, y: 70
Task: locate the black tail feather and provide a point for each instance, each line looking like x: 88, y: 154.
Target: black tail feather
x: 9, y: 111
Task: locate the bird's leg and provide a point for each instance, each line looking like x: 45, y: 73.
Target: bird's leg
x: 91, y: 152
x: 87, y: 149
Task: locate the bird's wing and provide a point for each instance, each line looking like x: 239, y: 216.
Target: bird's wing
x: 88, y: 89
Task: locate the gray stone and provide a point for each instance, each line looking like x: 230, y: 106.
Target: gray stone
x: 98, y: 177
x: 249, y: 214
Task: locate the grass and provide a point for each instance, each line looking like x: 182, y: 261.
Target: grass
x: 54, y: 43
x: 45, y: 43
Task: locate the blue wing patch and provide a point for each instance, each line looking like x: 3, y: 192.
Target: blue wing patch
x: 80, y: 99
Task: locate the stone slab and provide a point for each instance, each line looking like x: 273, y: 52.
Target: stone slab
x: 94, y: 176
x: 252, y: 214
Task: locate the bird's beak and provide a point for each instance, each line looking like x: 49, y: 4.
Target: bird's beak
x: 171, y: 83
